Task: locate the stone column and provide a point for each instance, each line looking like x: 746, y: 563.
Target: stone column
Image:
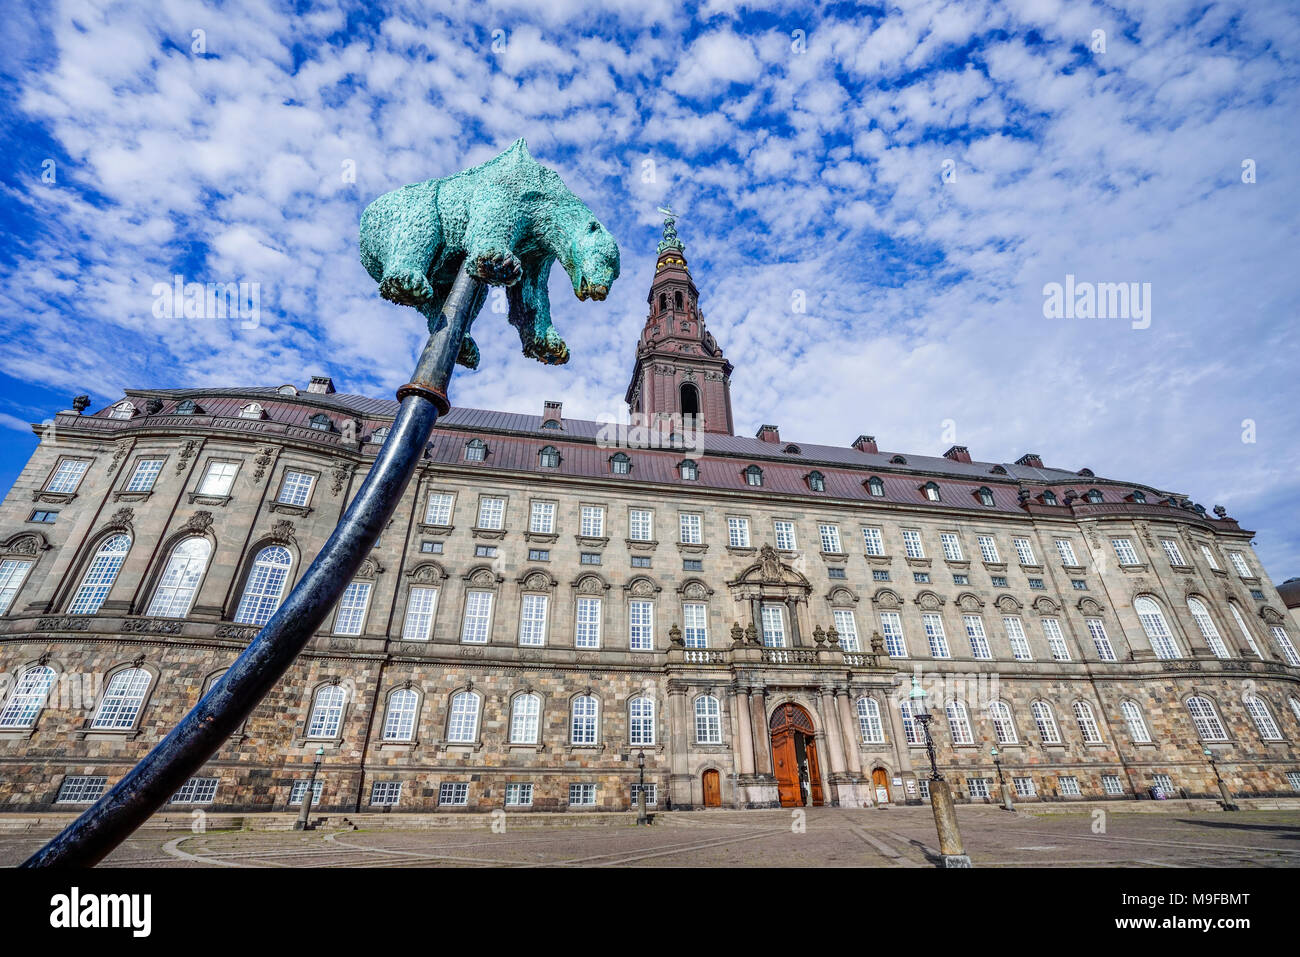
x: 762, y: 744
x: 902, y: 752
x: 851, y: 753
x: 831, y: 719
x: 792, y: 612
x: 680, y: 781
x: 742, y: 732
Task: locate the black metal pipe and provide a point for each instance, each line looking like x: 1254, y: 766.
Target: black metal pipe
x: 152, y: 782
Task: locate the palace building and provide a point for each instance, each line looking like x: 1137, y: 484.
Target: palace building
x: 545, y: 608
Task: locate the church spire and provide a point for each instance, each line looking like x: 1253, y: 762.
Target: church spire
x: 680, y: 369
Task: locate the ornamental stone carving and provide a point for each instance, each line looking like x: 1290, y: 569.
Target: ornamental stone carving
x: 283, y: 530
x: 187, y: 452
x: 199, y: 522
x: 263, y: 461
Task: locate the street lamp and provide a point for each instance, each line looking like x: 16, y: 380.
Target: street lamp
x: 1007, y: 804
x: 1228, y: 803
x: 641, y: 818
x: 945, y: 814
x: 301, y: 824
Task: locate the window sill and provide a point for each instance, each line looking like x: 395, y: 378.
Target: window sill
x: 918, y: 562
x: 687, y: 548
x: 1133, y: 568
x: 879, y: 559
x: 995, y: 566
x: 1074, y: 569
x: 1036, y: 569
x: 132, y: 496
x: 591, y: 541
x: 957, y: 563
x: 437, y: 529
x: 299, y: 510
x: 53, y: 498
x: 835, y: 558
x: 202, y: 498
x: 107, y: 734
x: 541, y: 538
x: 1183, y: 567
x: 488, y: 534
x: 639, y: 545
x: 743, y: 550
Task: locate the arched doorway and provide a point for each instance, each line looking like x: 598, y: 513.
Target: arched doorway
x: 712, y: 788
x: 880, y: 781
x: 794, y: 757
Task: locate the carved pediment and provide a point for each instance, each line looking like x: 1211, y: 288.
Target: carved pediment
x: 25, y: 543
x: 969, y: 601
x: 770, y: 570
x: 483, y: 577
x: 1089, y: 606
x: 590, y: 585
x: 642, y: 587
x: 1008, y: 605
x: 929, y: 601
x: 842, y: 597
x: 1045, y: 606
x: 427, y: 573
x: 537, y: 580
x: 695, y: 590
x: 887, y: 598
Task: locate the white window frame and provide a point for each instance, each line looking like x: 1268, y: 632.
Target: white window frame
x: 772, y: 618
x: 979, y: 642
x: 101, y: 574
x: 591, y: 521
x: 541, y: 518
x: 491, y: 513
x: 1003, y: 721
x: 476, y: 626
x: 935, y: 636
x: 325, y: 719
x: 951, y: 545
x: 296, y: 488
x: 1017, y: 638
x: 533, y: 610
x: 988, y: 549
x: 587, y: 620
x: 438, y: 509
x: 708, y: 720
x: 178, y: 585
x: 1205, y: 718
x: 264, y: 588
x: 584, y: 721
x: 1024, y: 551
x: 891, y: 627
x: 640, y: 625
x: 959, y: 726
x: 1065, y: 548
x: 873, y: 540
x: 1045, y: 720
x: 145, y: 475
x: 526, y: 718
x: 641, y: 524
x: 463, y: 717
x: 783, y: 530
x: 1100, y: 640
x: 218, y: 478
x: 871, y: 730
x: 1172, y: 551
x: 421, y: 611
x: 695, y: 624
x: 399, y: 715
x: 1205, y: 624
x: 354, y: 603
x: 830, y: 538
x: 691, y: 525
x: 1087, y: 722
x: 13, y: 573
x: 737, y: 531
x: 641, y: 721
x: 1156, y: 628
x: 1136, y: 722
x: 1056, y: 643
x: 913, y: 547
x: 1124, y: 551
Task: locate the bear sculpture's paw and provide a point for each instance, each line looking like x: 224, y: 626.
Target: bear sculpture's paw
x: 550, y: 350
x: 468, y: 356
x: 406, y: 288
x: 497, y: 269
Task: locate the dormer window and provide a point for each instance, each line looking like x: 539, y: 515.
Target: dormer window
x: 550, y: 424
x: 1139, y: 496
x: 1049, y: 497
x: 287, y: 390
x: 930, y: 491
x: 252, y: 411
x: 817, y: 481
x: 898, y: 460
x: 188, y: 407
x: 792, y: 450
x: 1088, y: 473
x: 321, y: 422
x: 1093, y: 496
x: 985, y: 495
x: 689, y: 469
x: 620, y: 464
x: 379, y: 436
x: 997, y: 470
x: 475, y: 450
x: 753, y: 475
x: 549, y: 457
x: 875, y: 485
x: 123, y: 410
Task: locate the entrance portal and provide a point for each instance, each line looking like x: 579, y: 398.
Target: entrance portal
x: 712, y: 789
x: 794, y: 757
x: 880, y: 778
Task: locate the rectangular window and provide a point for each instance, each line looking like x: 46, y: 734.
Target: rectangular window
x: 640, y: 625
x: 1110, y: 783
x: 1097, y: 631
x: 541, y: 518
x: 1124, y: 551
x: 12, y: 573
x: 692, y: 565
x: 979, y: 642
x: 478, y: 617
x: 438, y: 511
x: 519, y: 795
x: 218, y: 479
x: 640, y: 525
x: 773, y: 626
x: 44, y: 517
x: 874, y: 541
x: 196, y: 791
x: 1171, y: 549
x: 485, y: 551
x: 1078, y: 584
x: 640, y: 561
x: 587, y: 623
x: 977, y: 787
x: 959, y: 579
x: 491, y: 512
x: 385, y: 793
x: 880, y: 574
x: 951, y: 547
x: 431, y: 548
x: 1024, y: 551
x: 912, y: 543
x: 81, y: 789
x: 1068, y: 785
x: 452, y: 794
x: 421, y: 606
x: 1284, y: 644
x: 891, y: 627
x: 651, y: 795
x: 299, y: 788
x: 998, y: 581
x: 532, y: 620
x: 695, y: 633
x: 1239, y: 563
x: 847, y: 626
x: 1024, y: 787
x: 738, y: 532
x: 784, y: 535
x: 352, y: 609
x: 582, y: 795
x: 1066, y: 551
x: 296, y: 488
x: 837, y: 573
x: 1164, y: 782
x: 144, y: 476
x: 1293, y: 779
x: 924, y: 785
x: 1055, y: 640
x: 1016, y: 636
x: 830, y: 535
x: 593, y: 521
x: 589, y: 558
x: 539, y: 554
x: 692, y: 529
x: 921, y: 578
x: 935, y: 636
x: 988, y: 549
x: 67, y: 476
x: 1037, y: 584
x: 1209, y: 558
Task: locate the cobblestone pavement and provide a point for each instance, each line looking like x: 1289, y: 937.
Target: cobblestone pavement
x: 893, y: 837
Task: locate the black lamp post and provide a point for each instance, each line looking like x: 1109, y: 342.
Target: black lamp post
x: 1228, y: 803
x: 923, y: 717
x: 301, y: 824
x: 641, y: 818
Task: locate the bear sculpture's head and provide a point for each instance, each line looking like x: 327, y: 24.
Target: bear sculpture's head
x: 592, y: 263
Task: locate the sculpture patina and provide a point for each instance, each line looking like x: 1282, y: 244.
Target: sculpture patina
x: 432, y: 245
x: 507, y: 220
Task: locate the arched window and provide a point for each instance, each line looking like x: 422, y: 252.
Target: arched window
x: 287, y: 390
x: 689, y: 469
x: 869, y: 724
x: 265, y: 586
x: 959, y: 723
x: 690, y: 400
x: 1206, y: 719
x: 100, y: 575
x: 911, y: 729
x: 28, y: 697
x: 1245, y: 632
x: 641, y: 720
x: 792, y: 449
x: 1140, y: 497
x: 180, y: 579
x: 1094, y: 496
x: 1087, y: 723
x: 462, y: 725
x: 1049, y: 497
x: 475, y: 450
x: 816, y: 481
x: 399, y: 722
x: 551, y: 424
x: 188, y: 407
x: 582, y: 724
x: 898, y: 460
x: 1263, y: 718
x: 1206, y: 625
x: 1004, y: 728
x: 379, y: 436
x: 321, y: 422
x: 708, y: 720
x: 677, y: 298
x: 985, y: 495
x: 251, y: 411
x: 997, y: 470
x: 1156, y: 628
x: 1284, y: 645
x: 620, y: 464
x: 663, y: 301
x: 549, y: 457
x: 753, y: 475
x: 1046, y: 722
x: 525, y: 717
x: 1294, y: 702
x: 122, y: 700
x: 326, y: 716
x: 123, y: 410
x: 931, y: 491
x: 1137, y: 725
x: 875, y: 486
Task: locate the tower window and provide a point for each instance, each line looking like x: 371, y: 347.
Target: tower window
x: 690, y: 399
x: 677, y: 297
x: 663, y: 301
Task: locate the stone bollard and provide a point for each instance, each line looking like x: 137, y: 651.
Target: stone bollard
x: 945, y: 822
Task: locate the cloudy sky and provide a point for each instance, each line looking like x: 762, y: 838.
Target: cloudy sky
x: 917, y: 173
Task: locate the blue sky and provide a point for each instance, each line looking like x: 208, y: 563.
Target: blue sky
x: 805, y: 150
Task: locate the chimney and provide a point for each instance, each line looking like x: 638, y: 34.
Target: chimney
x: 865, y: 443
x: 552, y: 411
x: 1030, y: 459
x: 769, y: 433
x: 321, y: 385
x: 958, y: 453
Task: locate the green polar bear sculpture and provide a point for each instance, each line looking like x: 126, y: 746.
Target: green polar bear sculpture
x: 507, y: 220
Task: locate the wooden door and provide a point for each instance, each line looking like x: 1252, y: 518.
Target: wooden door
x: 785, y: 765
x: 814, y: 773
x: 880, y: 778
x: 712, y: 789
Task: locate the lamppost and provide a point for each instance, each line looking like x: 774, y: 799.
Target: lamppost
x: 301, y: 824
x: 641, y: 818
x: 1007, y: 804
x: 1228, y: 803
x: 945, y: 814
